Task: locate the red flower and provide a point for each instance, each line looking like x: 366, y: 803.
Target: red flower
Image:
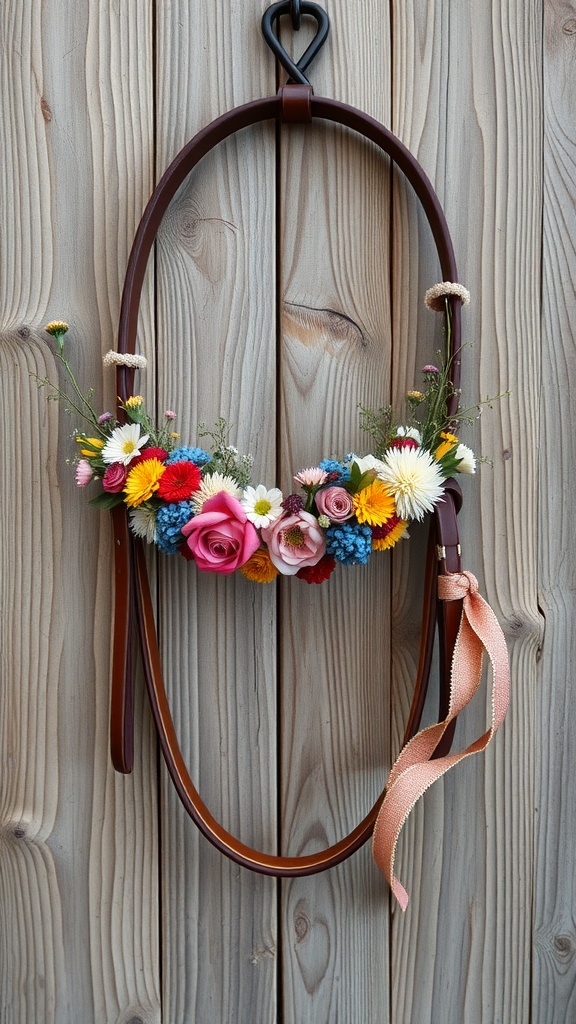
x: 179, y: 481
x: 149, y: 453
x: 319, y: 572
x: 404, y: 442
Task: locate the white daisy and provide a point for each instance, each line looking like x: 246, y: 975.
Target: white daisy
x: 262, y: 507
x: 468, y: 460
x: 415, y: 479
x: 211, y: 485
x: 124, y: 444
x: 143, y: 522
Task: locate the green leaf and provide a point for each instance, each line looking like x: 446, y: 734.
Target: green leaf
x: 106, y: 501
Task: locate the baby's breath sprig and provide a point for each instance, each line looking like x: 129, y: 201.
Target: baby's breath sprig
x: 378, y: 423
x: 226, y: 459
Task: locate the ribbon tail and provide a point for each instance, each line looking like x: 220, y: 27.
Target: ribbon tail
x: 414, y: 772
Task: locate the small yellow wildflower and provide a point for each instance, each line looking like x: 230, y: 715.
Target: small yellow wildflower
x: 95, y: 445
x: 134, y: 401
x: 448, y: 442
x: 175, y: 435
x: 259, y: 568
x: 56, y: 327
x: 415, y: 396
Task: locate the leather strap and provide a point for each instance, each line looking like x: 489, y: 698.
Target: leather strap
x: 132, y: 597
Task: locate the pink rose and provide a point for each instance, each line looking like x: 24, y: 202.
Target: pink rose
x: 294, y: 542
x: 220, y: 537
x: 114, y: 478
x: 335, y: 503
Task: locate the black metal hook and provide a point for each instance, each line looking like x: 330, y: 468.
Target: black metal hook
x: 295, y: 8
x: 295, y: 14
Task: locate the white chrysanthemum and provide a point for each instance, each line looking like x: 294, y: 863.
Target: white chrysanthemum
x: 412, y: 432
x: 468, y: 459
x: 143, y: 522
x: 211, y: 485
x: 415, y: 479
x: 262, y: 507
x: 367, y: 463
x: 124, y: 444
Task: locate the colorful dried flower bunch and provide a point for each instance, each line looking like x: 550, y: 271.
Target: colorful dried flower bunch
x: 201, y: 502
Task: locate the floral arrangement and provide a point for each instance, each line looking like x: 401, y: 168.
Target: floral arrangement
x: 202, y: 503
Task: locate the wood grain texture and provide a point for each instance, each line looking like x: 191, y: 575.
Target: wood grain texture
x: 554, y: 992
x: 75, y: 944
x: 335, y: 654
x: 467, y: 103
x: 113, y: 910
x: 216, y: 333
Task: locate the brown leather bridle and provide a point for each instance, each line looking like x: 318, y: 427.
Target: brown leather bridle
x: 133, y: 604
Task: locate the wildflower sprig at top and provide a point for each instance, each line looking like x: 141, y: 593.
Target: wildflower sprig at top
x: 201, y: 502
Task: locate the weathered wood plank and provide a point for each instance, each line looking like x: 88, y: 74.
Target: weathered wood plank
x: 71, y: 144
x: 216, y: 323
x: 554, y: 979
x: 468, y: 97
x: 335, y: 652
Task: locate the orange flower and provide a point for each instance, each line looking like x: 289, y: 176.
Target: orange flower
x: 259, y: 567
x: 374, y: 504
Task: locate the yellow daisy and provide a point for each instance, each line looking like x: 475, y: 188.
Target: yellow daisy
x: 374, y: 504
x: 259, y: 567
x: 143, y: 479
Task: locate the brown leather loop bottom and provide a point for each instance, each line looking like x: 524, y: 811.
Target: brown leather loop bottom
x: 443, y: 528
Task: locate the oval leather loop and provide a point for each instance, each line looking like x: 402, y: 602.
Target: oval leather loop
x: 133, y: 600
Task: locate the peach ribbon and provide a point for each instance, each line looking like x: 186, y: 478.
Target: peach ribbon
x: 413, y: 772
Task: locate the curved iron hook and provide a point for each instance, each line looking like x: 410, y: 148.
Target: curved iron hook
x: 295, y: 14
x: 295, y: 8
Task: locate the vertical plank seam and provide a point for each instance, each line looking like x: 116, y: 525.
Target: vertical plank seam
x: 539, y: 606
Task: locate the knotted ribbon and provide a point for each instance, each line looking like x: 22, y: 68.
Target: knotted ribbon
x: 413, y: 772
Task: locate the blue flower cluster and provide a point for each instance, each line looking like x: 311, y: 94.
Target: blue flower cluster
x: 333, y: 466
x: 169, y: 520
x: 196, y: 455
x: 350, y: 543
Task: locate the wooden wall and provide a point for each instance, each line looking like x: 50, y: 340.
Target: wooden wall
x: 286, y: 287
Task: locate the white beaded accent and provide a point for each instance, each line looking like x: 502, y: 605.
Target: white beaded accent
x: 434, y: 296
x: 113, y: 358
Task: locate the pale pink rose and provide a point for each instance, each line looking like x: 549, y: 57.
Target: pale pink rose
x: 294, y: 542
x: 84, y: 472
x: 220, y: 537
x: 335, y: 503
x: 114, y: 478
